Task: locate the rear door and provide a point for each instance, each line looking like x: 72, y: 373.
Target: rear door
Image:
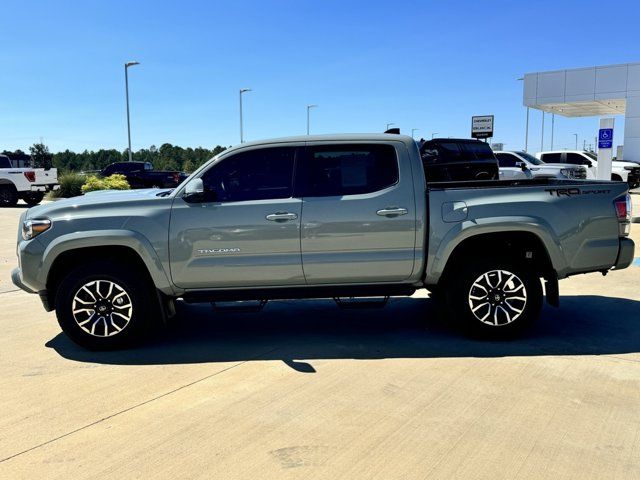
x: 358, y: 213
x: 246, y: 232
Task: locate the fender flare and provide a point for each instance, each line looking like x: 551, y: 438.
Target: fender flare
x: 438, y: 258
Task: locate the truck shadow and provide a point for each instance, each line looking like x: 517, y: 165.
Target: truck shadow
x: 407, y: 328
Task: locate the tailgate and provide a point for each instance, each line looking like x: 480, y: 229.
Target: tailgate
x: 46, y: 177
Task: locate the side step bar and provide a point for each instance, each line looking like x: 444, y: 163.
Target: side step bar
x: 259, y: 294
x: 355, y: 303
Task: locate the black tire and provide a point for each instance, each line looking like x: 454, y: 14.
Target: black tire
x: 8, y: 196
x: 32, y: 199
x: 615, y: 177
x: 106, y: 335
x: 503, y: 314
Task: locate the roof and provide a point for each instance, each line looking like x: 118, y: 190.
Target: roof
x: 341, y: 137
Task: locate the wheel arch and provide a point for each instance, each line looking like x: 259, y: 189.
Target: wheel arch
x: 69, y: 251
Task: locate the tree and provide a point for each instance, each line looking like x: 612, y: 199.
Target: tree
x: 40, y: 156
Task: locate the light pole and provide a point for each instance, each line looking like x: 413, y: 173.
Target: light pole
x: 413, y: 130
x: 242, y: 90
x: 126, y: 87
x: 309, y: 107
x: 553, y: 121
x: 526, y: 133
x: 434, y: 134
x: 542, y: 134
x: 388, y: 125
x: 576, y: 135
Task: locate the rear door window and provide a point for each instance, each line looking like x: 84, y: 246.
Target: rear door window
x: 348, y: 169
x: 477, y: 151
x: 506, y: 159
x: 552, y: 158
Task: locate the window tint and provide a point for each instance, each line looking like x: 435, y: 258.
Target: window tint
x: 576, y: 159
x: 254, y: 175
x: 5, y: 162
x: 551, y: 157
x: 477, y: 150
x: 349, y: 169
x: 148, y: 166
x: 506, y: 159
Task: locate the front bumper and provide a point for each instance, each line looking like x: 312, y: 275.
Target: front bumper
x: 16, y: 278
x: 625, y: 254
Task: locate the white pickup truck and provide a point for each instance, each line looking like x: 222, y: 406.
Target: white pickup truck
x: 28, y: 184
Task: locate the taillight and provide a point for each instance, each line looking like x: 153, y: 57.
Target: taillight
x: 176, y: 177
x: 623, y: 212
x: 31, y: 176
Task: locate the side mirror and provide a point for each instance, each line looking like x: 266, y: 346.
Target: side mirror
x: 588, y: 163
x: 522, y: 165
x: 194, y: 191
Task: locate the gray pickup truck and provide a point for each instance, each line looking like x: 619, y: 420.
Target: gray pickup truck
x: 318, y: 217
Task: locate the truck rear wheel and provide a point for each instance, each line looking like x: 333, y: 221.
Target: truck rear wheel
x: 8, y: 196
x: 33, y: 198
x: 496, y: 298
x: 102, y: 306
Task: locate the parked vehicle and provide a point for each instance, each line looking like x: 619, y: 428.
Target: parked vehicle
x: 27, y: 184
x: 621, y: 171
x: 510, y: 170
x: 456, y: 159
x: 142, y: 175
x: 316, y: 217
x: 519, y: 160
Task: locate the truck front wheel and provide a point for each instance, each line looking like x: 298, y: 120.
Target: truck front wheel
x: 101, y: 306
x: 495, y: 298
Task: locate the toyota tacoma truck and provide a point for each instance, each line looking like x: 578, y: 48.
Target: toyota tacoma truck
x: 336, y: 216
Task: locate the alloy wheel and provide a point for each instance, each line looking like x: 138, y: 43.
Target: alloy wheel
x: 102, y: 308
x: 497, y: 297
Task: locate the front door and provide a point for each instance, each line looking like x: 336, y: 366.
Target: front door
x: 358, y: 213
x: 246, y: 231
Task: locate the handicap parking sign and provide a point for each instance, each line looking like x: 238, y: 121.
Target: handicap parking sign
x: 605, y: 138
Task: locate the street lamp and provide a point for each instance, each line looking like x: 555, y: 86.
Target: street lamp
x: 434, y: 134
x: 414, y: 130
x: 242, y: 90
x: 576, y: 135
x: 388, y: 125
x: 126, y: 87
x: 309, y: 107
x: 526, y: 133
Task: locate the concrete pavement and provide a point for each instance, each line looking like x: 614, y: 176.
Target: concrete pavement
x: 304, y: 390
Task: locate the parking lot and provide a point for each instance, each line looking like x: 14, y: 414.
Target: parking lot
x: 305, y: 390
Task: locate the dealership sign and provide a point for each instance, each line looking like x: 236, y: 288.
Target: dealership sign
x: 482, y: 126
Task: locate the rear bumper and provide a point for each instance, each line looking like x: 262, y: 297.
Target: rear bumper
x: 625, y: 254
x: 45, y: 188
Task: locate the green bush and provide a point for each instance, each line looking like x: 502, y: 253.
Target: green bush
x: 114, y: 182
x: 70, y: 185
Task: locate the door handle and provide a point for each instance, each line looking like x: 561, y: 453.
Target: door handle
x: 281, y: 216
x: 392, y: 212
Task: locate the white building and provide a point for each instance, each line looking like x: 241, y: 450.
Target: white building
x: 593, y: 91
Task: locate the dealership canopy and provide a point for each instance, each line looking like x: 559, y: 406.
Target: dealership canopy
x: 592, y: 91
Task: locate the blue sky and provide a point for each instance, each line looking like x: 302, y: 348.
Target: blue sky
x: 420, y: 64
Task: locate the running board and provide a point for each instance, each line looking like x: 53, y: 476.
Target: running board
x: 196, y: 296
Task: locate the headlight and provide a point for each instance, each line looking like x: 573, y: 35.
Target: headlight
x: 630, y: 168
x: 566, y: 172
x: 34, y: 227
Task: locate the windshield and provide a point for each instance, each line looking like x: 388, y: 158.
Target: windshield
x: 530, y: 158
